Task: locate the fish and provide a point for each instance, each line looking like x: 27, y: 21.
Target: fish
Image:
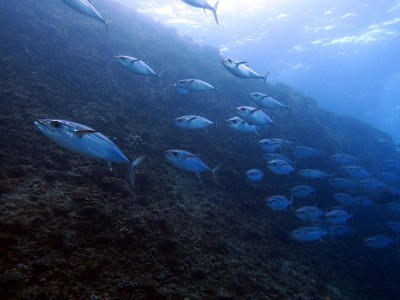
x: 342, y: 183
x: 278, y: 203
x: 254, y: 175
x: 204, y: 5
x: 86, y: 141
x: 135, y: 65
x: 372, y: 184
x: 344, y: 199
x: 312, y: 174
x: 242, y: 70
x: 253, y: 115
x: 389, y: 176
x: 270, y: 145
x: 265, y: 101
x: 305, y: 152
x: 301, y: 190
x: 363, y: 201
x: 188, y: 85
x: 86, y: 7
x: 393, y: 207
x: 378, y: 241
x: 241, y: 126
x: 279, y: 167
x: 308, y: 234
x: 189, y: 162
x: 272, y: 156
x: 337, y: 217
x: 392, y: 164
x: 308, y: 213
x: 192, y: 122
x: 393, y: 225
x: 344, y: 159
x: 355, y: 172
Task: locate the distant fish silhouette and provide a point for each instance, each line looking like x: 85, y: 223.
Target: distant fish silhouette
x: 204, y: 5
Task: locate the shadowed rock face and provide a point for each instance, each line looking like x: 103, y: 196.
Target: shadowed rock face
x: 69, y: 228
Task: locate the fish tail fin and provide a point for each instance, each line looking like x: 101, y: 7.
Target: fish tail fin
x: 331, y: 234
x: 215, y: 12
x: 265, y: 81
x: 215, y: 172
x: 107, y: 25
x: 160, y: 75
x: 218, y: 94
x: 133, y: 169
x: 291, y: 203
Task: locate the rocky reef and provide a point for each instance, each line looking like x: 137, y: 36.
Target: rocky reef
x: 71, y: 229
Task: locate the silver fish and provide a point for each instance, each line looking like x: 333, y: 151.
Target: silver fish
x: 279, y: 167
x: 189, y: 162
x: 135, y: 65
x: 192, y: 122
x: 265, y: 101
x: 86, y: 141
x: 312, y: 174
x: 378, y: 241
x: 253, y: 115
x: 308, y: 213
x: 301, y: 191
x: 85, y: 7
x: 204, y: 5
x: 185, y: 86
x: 278, y: 203
x: 254, y: 175
x: 337, y: 217
x: 308, y: 234
x: 241, y: 126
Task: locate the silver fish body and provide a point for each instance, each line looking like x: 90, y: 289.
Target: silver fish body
x: 308, y: 234
x: 253, y: 115
x: 254, y: 175
x: 301, y: 191
x: 204, y: 5
x: 308, y: 213
x: 85, y: 141
x: 135, y: 65
x: 337, y: 217
x: 278, y: 203
x: 279, y: 167
x: 265, y: 101
x: 193, y: 85
x: 378, y: 241
x: 192, y: 122
x: 241, y: 126
x: 240, y: 69
x: 312, y: 174
x: 85, y: 7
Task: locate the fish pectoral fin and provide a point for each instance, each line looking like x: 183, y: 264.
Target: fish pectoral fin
x: 192, y: 118
x: 241, y: 63
x: 134, y: 60
x: 81, y: 133
x: 189, y: 156
x: 254, y: 110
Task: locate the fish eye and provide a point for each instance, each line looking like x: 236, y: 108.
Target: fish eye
x: 174, y: 153
x: 242, y: 109
x: 180, y: 120
x: 234, y: 121
x: 55, y: 124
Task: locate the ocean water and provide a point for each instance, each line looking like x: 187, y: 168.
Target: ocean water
x: 71, y: 228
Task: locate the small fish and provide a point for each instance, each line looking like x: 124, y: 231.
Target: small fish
x: 344, y: 159
x: 253, y: 115
x: 372, y: 184
x: 270, y: 145
x: 241, y: 126
x: 312, y: 174
x: 393, y: 207
x: 301, y: 191
x: 378, y: 241
x: 305, y: 152
x: 86, y: 7
x: 355, y: 172
x: 343, y: 183
x: 344, y: 199
x: 86, y: 141
x: 204, y: 5
x: 278, y: 203
x: 192, y: 122
x: 254, y: 175
x: 389, y: 176
x: 308, y: 234
x: 185, y: 86
x: 337, y: 217
x: 189, y: 162
x: 279, y: 167
x: 265, y: 101
x: 392, y: 164
x: 135, y: 65
x: 242, y: 70
x: 308, y: 213
x: 363, y: 201
x: 393, y: 225
x: 272, y: 156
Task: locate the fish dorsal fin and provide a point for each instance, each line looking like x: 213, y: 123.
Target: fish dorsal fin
x: 192, y: 118
x: 81, y: 133
x: 241, y: 63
